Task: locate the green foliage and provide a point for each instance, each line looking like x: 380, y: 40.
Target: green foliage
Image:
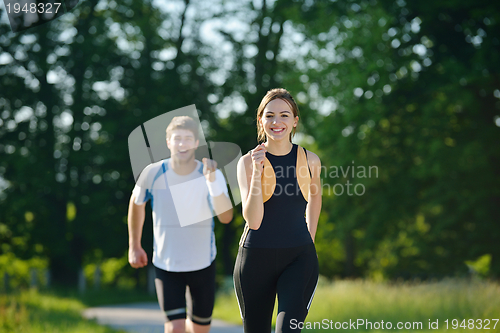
x: 480, y: 266
x: 64, y: 154
x: 12, y: 315
x: 113, y: 272
x: 21, y: 273
x: 410, y: 88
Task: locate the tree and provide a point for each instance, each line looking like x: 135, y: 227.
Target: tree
x: 398, y: 86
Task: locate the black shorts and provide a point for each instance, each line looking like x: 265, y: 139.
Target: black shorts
x: 171, y: 292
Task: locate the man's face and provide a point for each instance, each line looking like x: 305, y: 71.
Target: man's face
x: 182, y: 145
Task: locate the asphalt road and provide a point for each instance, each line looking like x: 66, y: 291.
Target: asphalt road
x: 144, y: 318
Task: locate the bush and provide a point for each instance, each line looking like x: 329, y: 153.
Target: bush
x: 112, y: 271
x: 16, y: 273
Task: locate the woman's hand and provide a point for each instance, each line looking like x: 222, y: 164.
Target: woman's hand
x: 258, y: 155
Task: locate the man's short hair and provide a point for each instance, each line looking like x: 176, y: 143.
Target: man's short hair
x: 183, y: 122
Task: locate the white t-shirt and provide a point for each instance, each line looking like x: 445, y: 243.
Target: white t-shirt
x: 183, y: 224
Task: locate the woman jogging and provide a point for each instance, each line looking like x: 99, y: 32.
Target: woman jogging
x: 281, y: 197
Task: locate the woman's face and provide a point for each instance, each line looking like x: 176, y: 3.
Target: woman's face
x: 278, y: 120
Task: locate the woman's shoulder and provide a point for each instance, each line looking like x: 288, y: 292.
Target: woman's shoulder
x: 245, y: 159
x: 312, y: 158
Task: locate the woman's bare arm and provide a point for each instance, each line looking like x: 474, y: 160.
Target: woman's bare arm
x: 314, y: 205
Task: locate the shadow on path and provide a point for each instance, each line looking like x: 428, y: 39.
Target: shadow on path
x: 144, y: 318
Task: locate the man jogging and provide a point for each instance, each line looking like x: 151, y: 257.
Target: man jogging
x: 185, y: 193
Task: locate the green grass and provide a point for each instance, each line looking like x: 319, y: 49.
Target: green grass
x: 226, y: 308
x: 345, y: 300
x: 340, y: 301
x: 34, y: 312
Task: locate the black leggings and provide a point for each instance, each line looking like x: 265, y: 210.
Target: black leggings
x: 260, y: 274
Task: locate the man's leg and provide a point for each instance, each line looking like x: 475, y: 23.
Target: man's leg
x: 170, y: 287
x: 195, y: 328
x: 175, y: 326
x: 202, y: 297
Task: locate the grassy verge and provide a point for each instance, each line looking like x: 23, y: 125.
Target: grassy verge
x: 347, y: 301
x: 408, y: 303
x: 335, y: 302
x: 226, y: 308
x: 31, y: 311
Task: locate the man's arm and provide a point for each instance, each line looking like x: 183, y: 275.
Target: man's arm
x: 221, y: 202
x: 223, y: 208
x: 137, y: 257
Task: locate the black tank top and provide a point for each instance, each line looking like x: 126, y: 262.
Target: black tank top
x: 284, y: 223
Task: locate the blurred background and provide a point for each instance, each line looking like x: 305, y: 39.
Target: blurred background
x: 407, y: 90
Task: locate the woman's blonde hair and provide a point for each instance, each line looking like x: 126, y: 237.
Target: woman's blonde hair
x: 272, y: 95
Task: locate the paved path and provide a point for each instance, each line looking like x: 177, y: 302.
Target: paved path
x: 143, y: 318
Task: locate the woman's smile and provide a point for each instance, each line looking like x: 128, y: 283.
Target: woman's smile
x: 278, y: 120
